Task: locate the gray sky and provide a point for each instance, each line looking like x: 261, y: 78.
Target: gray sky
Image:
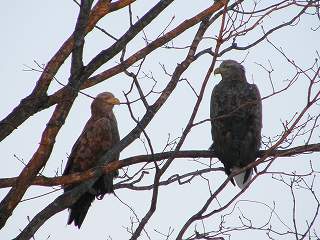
x: 34, y: 30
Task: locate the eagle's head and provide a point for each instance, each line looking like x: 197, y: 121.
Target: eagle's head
x: 231, y: 70
x: 103, y: 103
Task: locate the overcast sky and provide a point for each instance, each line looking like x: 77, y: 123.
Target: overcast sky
x: 32, y: 31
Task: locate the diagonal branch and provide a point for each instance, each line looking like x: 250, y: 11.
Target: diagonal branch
x: 41, y: 156
x: 38, y: 99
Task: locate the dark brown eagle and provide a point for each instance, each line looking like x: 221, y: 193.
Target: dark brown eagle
x: 98, y: 136
x: 236, y: 120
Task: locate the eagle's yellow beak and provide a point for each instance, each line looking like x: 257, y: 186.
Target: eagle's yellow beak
x: 217, y: 71
x: 113, y: 101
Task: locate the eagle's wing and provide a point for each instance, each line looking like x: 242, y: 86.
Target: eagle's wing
x: 96, y: 138
x: 251, y: 140
x: 218, y: 109
x: 213, y: 114
x: 251, y: 123
x: 255, y: 110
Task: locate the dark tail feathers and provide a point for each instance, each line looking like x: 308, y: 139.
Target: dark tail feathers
x: 78, y: 210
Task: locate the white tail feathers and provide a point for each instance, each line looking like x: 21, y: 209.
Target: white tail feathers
x: 239, y: 179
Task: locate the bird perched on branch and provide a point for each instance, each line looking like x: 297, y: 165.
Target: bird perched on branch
x: 236, y: 120
x: 98, y: 136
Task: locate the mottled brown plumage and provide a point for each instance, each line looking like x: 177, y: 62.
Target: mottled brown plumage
x: 236, y: 120
x: 98, y: 136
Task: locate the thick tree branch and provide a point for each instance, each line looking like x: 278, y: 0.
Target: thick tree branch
x: 115, y: 165
x: 41, y: 156
x: 156, y: 44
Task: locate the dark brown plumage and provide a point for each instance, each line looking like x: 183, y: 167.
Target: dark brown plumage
x: 236, y: 120
x: 98, y: 136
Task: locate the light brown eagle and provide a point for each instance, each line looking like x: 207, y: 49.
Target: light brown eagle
x: 98, y: 136
x: 236, y: 120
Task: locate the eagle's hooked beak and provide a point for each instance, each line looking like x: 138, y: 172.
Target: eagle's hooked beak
x: 217, y: 71
x: 113, y: 101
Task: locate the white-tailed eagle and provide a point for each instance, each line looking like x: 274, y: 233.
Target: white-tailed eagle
x: 236, y: 120
x: 98, y: 136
